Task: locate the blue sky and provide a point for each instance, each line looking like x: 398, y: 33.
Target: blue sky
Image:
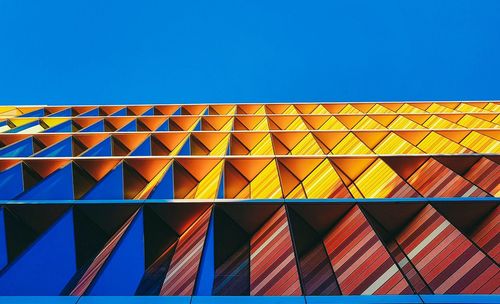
x: 77, y: 52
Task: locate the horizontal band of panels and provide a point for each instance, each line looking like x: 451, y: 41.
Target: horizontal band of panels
x: 205, y: 249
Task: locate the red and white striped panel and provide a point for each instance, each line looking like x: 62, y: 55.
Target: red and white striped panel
x: 273, y: 268
x: 181, y: 275
x: 487, y: 235
x: 433, y: 179
x: 486, y: 174
x: 359, y: 259
x: 445, y: 258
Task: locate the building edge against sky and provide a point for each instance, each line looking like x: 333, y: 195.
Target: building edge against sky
x: 395, y: 201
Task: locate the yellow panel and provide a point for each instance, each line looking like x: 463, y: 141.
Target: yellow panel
x: 436, y: 144
x: 463, y: 107
x: 355, y: 191
x: 267, y: 183
x: 351, y: 145
x: 229, y: 125
x: 320, y: 110
x: 378, y: 181
x: 349, y: 109
x: 176, y: 150
x: 290, y: 110
x: 470, y: 121
x: 208, y: 186
x: 261, y: 110
x: 307, y: 146
x: 492, y: 107
x: 320, y: 182
x: 402, y: 122
x: 437, y: 108
x: 497, y: 120
x: 380, y: 109
x: 263, y: 147
x: 367, y: 123
x: 394, y: 144
x: 297, y: 124
x: 406, y: 108
x: 262, y: 125
x: 436, y: 122
x: 22, y: 121
x: 298, y: 192
x: 51, y: 122
x: 481, y: 143
x: 221, y: 147
x: 332, y: 124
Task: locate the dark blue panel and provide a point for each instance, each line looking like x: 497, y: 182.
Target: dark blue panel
x: 135, y: 300
x: 122, y: 112
x: 11, y: 182
x: 19, y: 149
x: 46, y: 266
x: 57, y: 186
x: 3, y: 241
x: 101, y: 149
x: 149, y: 112
x: 452, y: 299
x: 164, y: 126
x: 178, y: 111
x: 248, y: 300
x: 124, y: 269
x: 62, y: 127
x: 63, y: 113
x: 220, y: 193
x: 36, y: 113
x: 61, y: 149
x: 130, y: 127
x: 198, y: 126
x: 186, y: 148
x: 206, y: 272
x: 368, y: 299
x: 110, y: 187
x: 144, y: 149
x: 93, y: 112
x: 165, y: 188
x: 39, y: 300
x: 97, y: 127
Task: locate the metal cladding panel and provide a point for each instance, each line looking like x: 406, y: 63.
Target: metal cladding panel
x: 487, y: 235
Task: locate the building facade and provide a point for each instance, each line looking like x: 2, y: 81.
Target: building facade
x: 390, y: 202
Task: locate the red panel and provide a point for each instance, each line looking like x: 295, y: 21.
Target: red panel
x: 317, y: 273
x: 181, y: 275
x: 433, y: 179
x: 486, y: 174
x: 487, y: 235
x: 360, y: 261
x: 273, y: 268
x: 445, y: 258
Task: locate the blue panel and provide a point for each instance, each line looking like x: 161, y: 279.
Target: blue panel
x: 130, y: 127
x: 123, y: 271
x: 149, y: 112
x: 135, y: 300
x: 122, y: 112
x: 165, y: 188
x: 46, y: 266
x: 198, y: 126
x: 178, y: 111
x: 461, y: 299
x: 61, y: 149
x: 206, y: 272
x: 164, y: 126
x: 62, y: 127
x: 101, y: 149
x: 410, y: 299
x: 23, y: 127
x: 93, y: 112
x: 11, y: 182
x: 57, y: 186
x: 3, y: 241
x: 186, y: 148
x: 220, y: 193
x: 97, y: 127
x: 110, y: 187
x: 63, y: 113
x: 36, y: 113
x: 19, y: 149
x: 144, y: 149
x: 249, y: 300
x: 39, y: 300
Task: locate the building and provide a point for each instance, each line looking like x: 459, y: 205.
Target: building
x: 395, y: 201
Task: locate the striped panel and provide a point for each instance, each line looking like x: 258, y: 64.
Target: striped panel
x: 487, y: 235
x: 486, y: 174
x: 433, y: 179
x: 273, y: 269
x: 360, y: 261
x: 317, y: 273
x: 97, y: 264
x: 445, y: 258
x: 231, y: 278
x: 181, y: 275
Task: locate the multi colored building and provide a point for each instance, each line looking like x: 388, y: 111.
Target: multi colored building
x: 385, y: 202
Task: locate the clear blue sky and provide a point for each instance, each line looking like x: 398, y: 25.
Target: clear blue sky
x: 247, y: 50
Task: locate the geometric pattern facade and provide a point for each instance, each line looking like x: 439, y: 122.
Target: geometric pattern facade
x: 305, y: 199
